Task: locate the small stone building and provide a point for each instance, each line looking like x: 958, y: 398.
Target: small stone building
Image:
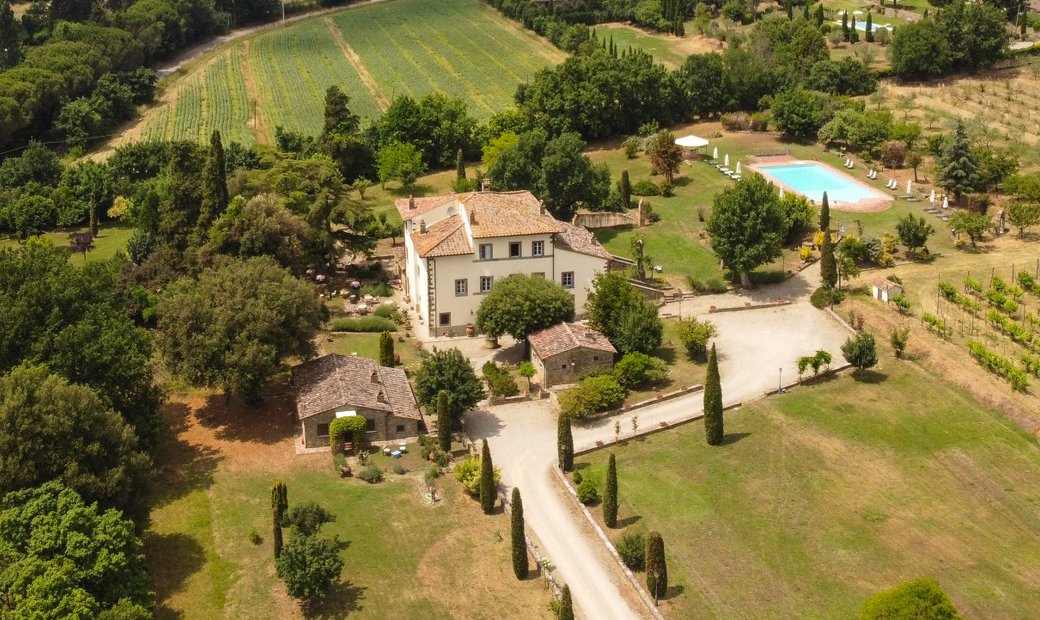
x: 885, y: 290
x: 336, y: 385
x: 564, y: 352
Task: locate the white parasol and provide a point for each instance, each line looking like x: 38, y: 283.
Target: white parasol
x: 715, y: 153
x: 781, y: 191
x: 946, y: 202
x: 725, y: 161
x: 738, y: 167
x: 909, y: 187
x: 931, y: 197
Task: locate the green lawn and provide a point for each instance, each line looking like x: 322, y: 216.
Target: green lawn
x: 661, y: 47
x: 367, y: 345
x: 111, y: 238
x: 403, y: 557
x: 830, y: 493
x: 682, y: 371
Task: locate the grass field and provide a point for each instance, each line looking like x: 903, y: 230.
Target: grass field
x: 403, y: 557
x: 111, y: 238
x: 278, y: 76
x: 830, y: 493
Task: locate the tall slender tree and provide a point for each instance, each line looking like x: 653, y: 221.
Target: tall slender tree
x: 386, y: 349
x: 828, y: 265
x: 279, y: 504
x: 957, y: 166
x: 565, y: 443
x: 713, y: 426
x: 610, y: 499
x: 214, y: 188
x: 520, y: 566
x: 10, y: 37
x: 566, y: 605
x: 460, y: 166
x: 870, y: 28
x: 656, y: 566
x: 487, y: 480
x: 444, y: 420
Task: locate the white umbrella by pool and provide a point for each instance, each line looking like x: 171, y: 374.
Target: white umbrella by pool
x: 857, y: 12
x: 725, y: 161
x: 909, y: 187
x: 931, y: 197
x: 738, y: 167
x: 946, y: 202
x: 715, y: 153
x: 781, y: 191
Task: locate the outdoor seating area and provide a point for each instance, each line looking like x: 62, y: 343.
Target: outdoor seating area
x: 402, y: 448
x: 724, y: 168
x: 849, y: 163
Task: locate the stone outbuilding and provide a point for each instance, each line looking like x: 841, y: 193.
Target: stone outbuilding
x: 336, y: 385
x: 564, y: 352
x: 885, y: 290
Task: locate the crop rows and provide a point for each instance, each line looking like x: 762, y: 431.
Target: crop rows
x: 294, y: 67
x: 225, y: 102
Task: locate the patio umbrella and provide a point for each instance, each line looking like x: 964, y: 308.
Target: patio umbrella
x: 738, y: 167
x: 909, y: 187
x: 946, y: 202
x: 715, y: 153
x: 931, y: 197
x: 781, y: 191
x: 725, y: 161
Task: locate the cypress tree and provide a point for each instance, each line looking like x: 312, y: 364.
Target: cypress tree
x: 819, y: 14
x: 870, y: 28
x: 443, y: 421
x: 805, y: 11
x: 386, y: 349
x: 566, y: 605
x: 279, y: 504
x: 460, y: 166
x: 828, y: 266
x: 565, y: 443
x: 790, y: 10
x: 1022, y: 23
x: 845, y: 24
x: 625, y: 189
x: 487, y: 480
x: 214, y: 188
x: 656, y: 567
x: 519, y: 540
x: 853, y: 33
x: 610, y: 503
x: 680, y: 26
x: 713, y: 426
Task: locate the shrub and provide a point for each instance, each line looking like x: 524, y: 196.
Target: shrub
x: 632, y: 145
x: 736, y: 121
x: 645, y: 188
x: 713, y: 285
x: 694, y: 336
x: 759, y: 121
x: 254, y: 537
x: 371, y: 474
x: 631, y: 546
x: 587, y: 492
x: 432, y: 472
x: 578, y: 476
x: 893, y: 153
x: 999, y: 366
x: 860, y: 351
x: 352, y: 427
x: 592, y: 395
x: 899, y: 339
x: 400, y: 470
x: 826, y: 296
x: 389, y: 311
x: 901, y: 303
x: 377, y: 289
x: 366, y: 324
x: 805, y: 253
x: 467, y: 472
x: 499, y: 381
x: 636, y: 369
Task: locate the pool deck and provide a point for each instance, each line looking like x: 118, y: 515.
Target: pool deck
x: 881, y: 203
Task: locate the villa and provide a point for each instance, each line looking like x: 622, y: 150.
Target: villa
x: 456, y: 246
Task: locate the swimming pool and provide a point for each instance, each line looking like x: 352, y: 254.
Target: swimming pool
x: 812, y: 179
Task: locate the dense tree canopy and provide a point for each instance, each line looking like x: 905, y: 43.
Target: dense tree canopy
x: 448, y: 371
x: 65, y: 558
x: 234, y: 325
x: 521, y: 304
x: 919, y: 50
x: 747, y: 225
x: 919, y: 599
x: 623, y: 314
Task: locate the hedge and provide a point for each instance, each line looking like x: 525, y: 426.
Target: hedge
x: 592, y: 395
x: 366, y: 324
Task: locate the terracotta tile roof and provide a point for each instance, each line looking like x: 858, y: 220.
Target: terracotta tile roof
x: 564, y: 337
x: 507, y: 214
x: 580, y: 240
x: 886, y: 285
x: 445, y: 238
x: 339, y: 382
x: 422, y: 205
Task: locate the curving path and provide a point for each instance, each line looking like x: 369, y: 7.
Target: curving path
x: 754, y: 346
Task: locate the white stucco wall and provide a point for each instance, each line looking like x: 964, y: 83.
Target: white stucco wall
x: 585, y: 268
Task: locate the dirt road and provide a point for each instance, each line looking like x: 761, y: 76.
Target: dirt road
x: 756, y: 348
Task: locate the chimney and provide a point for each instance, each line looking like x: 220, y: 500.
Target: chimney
x: 422, y: 227
x: 485, y: 185
x: 411, y: 203
x: 381, y: 398
x: 375, y: 376
x: 642, y: 213
x: 472, y: 217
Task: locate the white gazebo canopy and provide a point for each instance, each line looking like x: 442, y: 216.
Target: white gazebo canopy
x: 691, y: 142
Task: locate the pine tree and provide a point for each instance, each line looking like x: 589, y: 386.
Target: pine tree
x: 625, y: 189
x: 828, y: 266
x: 610, y: 500
x: 566, y: 605
x: 656, y: 567
x: 460, y: 166
x: 870, y: 28
x: 443, y: 421
x: 519, y: 539
x: 565, y: 443
x: 386, y: 349
x: 214, y: 188
x: 713, y: 425
x: 958, y: 170
x: 487, y: 480
x: 279, y: 504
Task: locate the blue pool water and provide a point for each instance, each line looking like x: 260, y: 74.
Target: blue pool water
x: 811, y: 180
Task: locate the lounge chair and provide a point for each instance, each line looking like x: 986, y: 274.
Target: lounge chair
x: 735, y: 177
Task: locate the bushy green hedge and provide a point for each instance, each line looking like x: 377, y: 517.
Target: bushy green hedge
x: 645, y: 188
x: 826, y: 296
x: 389, y: 312
x: 352, y: 427
x: 499, y: 381
x: 587, y: 492
x: 366, y: 324
x: 467, y: 472
x: 592, y: 395
x: 636, y: 369
x: 632, y: 549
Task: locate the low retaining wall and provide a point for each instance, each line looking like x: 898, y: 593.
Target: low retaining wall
x: 750, y: 306
x: 554, y: 401
x: 651, y: 430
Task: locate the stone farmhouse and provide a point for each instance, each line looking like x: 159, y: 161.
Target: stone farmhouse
x: 456, y: 246
x: 564, y: 352
x: 336, y: 385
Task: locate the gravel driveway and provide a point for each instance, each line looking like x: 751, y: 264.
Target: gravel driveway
x: 753, y: 346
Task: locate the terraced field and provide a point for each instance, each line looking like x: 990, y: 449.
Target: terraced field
x: 278, y: 76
